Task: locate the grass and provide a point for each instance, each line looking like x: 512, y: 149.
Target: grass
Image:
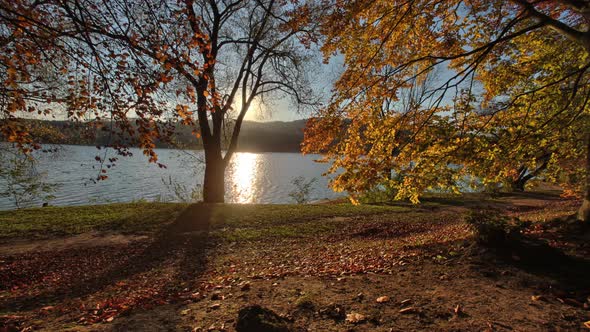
x: 60, y: 221
x: 229, y: 221
x: 234, y: 222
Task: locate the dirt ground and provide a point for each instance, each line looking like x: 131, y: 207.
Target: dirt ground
x: 417, y: 269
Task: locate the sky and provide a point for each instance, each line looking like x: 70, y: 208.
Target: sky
x: 322, y: 78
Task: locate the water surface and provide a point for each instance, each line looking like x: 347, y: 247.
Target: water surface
x: 250, y: 177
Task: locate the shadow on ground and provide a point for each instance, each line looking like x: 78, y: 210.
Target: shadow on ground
x: 186, y: 241
x: 505, y: 201
x: 555, y: 272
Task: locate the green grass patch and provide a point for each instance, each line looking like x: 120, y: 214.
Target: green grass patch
x: 235, y: 222
x: 58, y: 221
x: 230, y: 221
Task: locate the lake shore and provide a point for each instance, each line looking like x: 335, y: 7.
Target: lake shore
x: 325, y: 267
x: 265, y: 178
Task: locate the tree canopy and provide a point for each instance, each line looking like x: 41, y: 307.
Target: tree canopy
x: 444, y: 93
x: 147, y: 65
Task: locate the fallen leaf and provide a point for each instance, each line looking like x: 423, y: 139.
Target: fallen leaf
x: 408, y: 310
x: 359, y: 296
x: 537, y: 298
x: 334, y: 311
x: 383, y: 299
x: 587, y: 324
x: 574, y: 302
x: 355, y: 318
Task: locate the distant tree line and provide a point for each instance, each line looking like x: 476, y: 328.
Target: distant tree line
x: 274, y: 136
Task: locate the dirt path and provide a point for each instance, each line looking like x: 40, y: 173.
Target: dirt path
x: 194, y: 219
x: 85, y: 240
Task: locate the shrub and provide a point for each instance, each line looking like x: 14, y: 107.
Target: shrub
x: 181, y: 192
x: 302, y: 191
x: 494, y: 230
x: 20, y: 181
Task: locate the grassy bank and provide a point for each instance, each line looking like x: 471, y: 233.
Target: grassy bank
x: 146, y: 218
x: 61, y: 221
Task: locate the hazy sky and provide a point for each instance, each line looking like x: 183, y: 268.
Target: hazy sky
x: 321, y: 75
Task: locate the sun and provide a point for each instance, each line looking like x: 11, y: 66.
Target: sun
x: 255, y: 111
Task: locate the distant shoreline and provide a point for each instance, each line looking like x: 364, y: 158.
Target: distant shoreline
x: 171, y: 148
x: 255, y: 137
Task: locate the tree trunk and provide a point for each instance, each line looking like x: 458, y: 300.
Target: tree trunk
x: 518, y: 184
x: 214, y: 182
x: 524, y: 175
x: 584, y: 211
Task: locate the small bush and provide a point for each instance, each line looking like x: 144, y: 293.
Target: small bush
x: 20, y: 180
x: 379, y: 194
x: 181, y: 192
x: 302, y: 189
x: 495, y: 230
x: 385, y: 192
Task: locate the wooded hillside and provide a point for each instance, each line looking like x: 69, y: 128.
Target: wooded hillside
x: 276, y: 136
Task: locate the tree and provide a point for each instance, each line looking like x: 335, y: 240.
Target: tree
x: 135, y: 60
x: 515, y: 89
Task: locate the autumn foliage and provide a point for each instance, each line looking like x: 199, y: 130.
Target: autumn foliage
x: 455, y: 94
x: 443, y: 96
x: 146, y: 66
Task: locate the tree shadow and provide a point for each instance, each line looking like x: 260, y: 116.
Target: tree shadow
x: 502, y: 200
x: 537, y: 264
x: 185, y: 239
x: 564, y: 275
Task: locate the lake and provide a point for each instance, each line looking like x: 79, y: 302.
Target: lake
x: 250, y: 177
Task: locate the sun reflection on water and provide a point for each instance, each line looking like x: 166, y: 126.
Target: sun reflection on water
x: 244, y: 175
